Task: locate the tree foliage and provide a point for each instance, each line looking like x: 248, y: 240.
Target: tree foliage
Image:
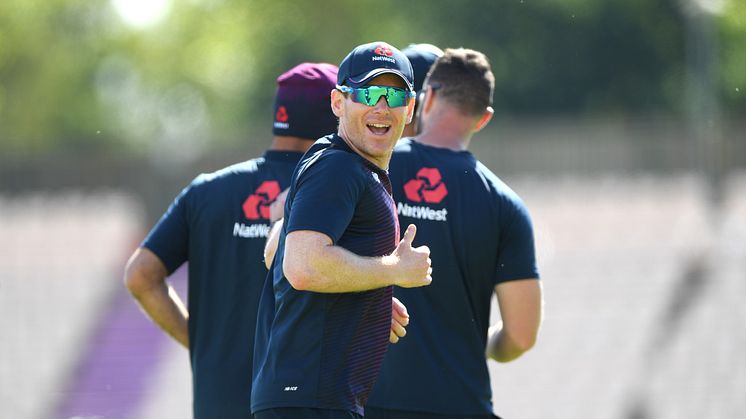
x: 74, y: 73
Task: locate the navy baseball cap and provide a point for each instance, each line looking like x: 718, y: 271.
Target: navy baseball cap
x: 422, y: 57
x: 373, y: 59
x: 303, y: 101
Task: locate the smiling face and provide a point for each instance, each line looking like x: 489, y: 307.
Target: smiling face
x: 372, y: 131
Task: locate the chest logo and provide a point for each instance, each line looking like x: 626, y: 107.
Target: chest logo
x: 256, y: 206
x: 427, y: 187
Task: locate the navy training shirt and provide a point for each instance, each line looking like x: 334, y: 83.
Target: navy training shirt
x: 219, y: 224
x: 479, y: 234
x: 324, y: 350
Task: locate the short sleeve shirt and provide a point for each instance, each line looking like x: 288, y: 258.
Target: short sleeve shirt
x: 324, y: 350
x: 219, y: 224
x: 480, y: 234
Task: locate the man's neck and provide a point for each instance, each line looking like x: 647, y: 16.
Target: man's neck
x: 447, y: 129
x: 445, y: 136
x: 286, y: 143
x: 380, y: 162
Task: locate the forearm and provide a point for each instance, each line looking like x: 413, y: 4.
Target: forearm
x: 166, y: 309
x: 145, y: 278
x: 502, y: 347
x: 521, y: 310
x: 333, y: 269
x: 313, y: 263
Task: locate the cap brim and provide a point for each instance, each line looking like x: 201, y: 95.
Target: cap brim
x: 361, y: 80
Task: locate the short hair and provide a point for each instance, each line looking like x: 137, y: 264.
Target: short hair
x: 463, y: 77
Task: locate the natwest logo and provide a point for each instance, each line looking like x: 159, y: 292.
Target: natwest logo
x: 427, y: 187
x: 256, y: 206
x: 281, y: 118
x: 282, y: 114
x: 384, y: 50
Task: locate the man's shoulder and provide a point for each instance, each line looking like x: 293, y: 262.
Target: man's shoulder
x: 251, y: 167
x: 404, y: 145
x: 501, y: 190
x: 332, y: 159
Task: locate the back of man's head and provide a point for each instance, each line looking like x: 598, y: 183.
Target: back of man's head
x: 302, y: 103
x: 422, y: 57
x: 463, y: 77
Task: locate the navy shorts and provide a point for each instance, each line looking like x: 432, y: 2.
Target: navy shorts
x: 304, y: 413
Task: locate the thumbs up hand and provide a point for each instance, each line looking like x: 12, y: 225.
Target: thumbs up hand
x: 413, y: 263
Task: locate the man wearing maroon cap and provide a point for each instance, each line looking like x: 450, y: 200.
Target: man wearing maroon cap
x: 326, y: 310
x: 219, y: 224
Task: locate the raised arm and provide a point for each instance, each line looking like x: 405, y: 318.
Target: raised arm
x: 313, y: 263
x: 521, y: 309
x: 145, y: 277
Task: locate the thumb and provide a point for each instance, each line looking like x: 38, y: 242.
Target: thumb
x: 409, y: 234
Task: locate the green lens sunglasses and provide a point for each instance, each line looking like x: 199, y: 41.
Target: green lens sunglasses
x: 370, y: 95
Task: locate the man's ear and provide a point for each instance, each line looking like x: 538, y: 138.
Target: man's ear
x: 410, y: 110
x: 484, y: 119
x: 428, y: 99
x: 337, y: 103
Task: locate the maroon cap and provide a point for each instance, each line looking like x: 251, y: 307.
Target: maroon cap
x: 303, y: 101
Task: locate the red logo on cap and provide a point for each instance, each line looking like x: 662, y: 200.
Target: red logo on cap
x: 428, y: 187
x: 282, y: 114
x: 384, y: 50
x: 256, y: 206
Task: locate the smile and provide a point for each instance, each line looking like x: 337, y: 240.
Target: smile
x: 379, y: 129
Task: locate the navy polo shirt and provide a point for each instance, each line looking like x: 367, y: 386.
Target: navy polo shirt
x: 324, y: 350
x: 479, y: 234
x: 219, y: 224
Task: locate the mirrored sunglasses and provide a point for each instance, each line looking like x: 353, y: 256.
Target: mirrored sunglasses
x: 370, y: 95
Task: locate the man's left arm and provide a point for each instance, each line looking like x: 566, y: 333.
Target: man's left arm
x: 521, y: 309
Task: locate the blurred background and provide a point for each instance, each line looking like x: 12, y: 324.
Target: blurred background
x: 622, y: 124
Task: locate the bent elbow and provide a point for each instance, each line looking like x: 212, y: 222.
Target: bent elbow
x: 298, y: 276
x: 134, y: 280
x: 516, y: 344
x: 141, y: 277
x: 298, y: 282
x: 525, y: 342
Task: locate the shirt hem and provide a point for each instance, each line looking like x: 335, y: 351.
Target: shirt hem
x: 255, y: 408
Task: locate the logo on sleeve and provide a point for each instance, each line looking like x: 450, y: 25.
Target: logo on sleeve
x: 427, y: 187
x: 256, y: 208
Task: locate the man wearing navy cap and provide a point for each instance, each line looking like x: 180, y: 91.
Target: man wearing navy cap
x: 481, y: 238
x: 219, y: 224
x: 422, y: 57
x: 326, y: 309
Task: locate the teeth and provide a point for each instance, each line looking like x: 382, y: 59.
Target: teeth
x: 379, y: 125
